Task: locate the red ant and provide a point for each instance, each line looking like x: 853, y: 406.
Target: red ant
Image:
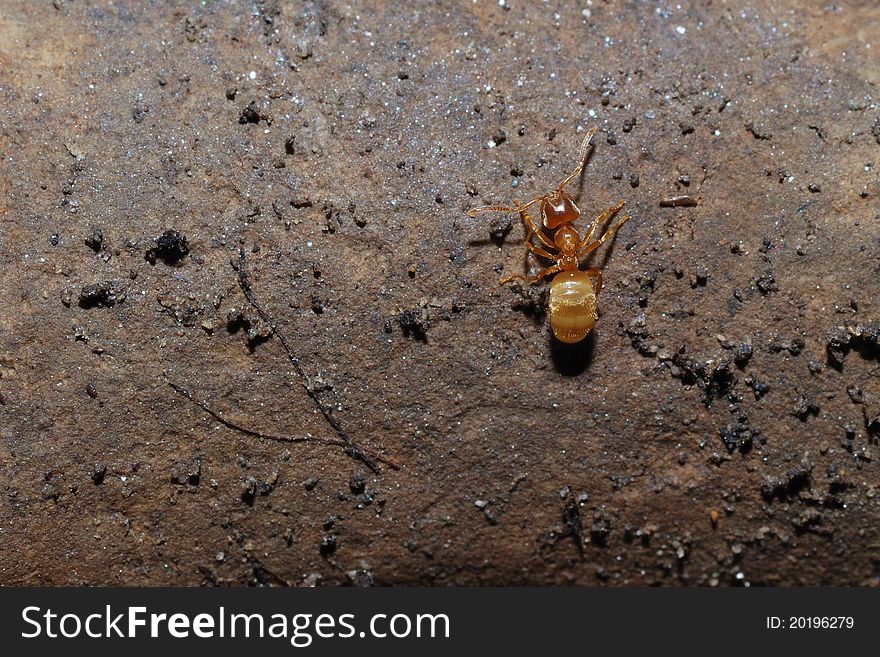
x: 572, y: 291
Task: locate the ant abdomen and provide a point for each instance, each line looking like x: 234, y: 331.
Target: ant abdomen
x: 572, y: 306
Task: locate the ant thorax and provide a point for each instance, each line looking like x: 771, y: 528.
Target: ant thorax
x: 566, y: 240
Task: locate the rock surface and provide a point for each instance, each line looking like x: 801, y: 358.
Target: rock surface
x: 704, y: 434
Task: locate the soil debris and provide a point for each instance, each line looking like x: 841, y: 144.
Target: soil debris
x: 170, y: 247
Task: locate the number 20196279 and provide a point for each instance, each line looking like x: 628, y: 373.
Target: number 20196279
x: 810, y: 623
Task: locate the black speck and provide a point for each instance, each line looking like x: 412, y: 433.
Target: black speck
x: 100, y: 295
x: 804, y: 407
x: 248, y: 490
x: 99, y: 472
x: 170, y: 247
x: 414, y: 323
x: 766, y: 283
x: 95, y: 239
x: 357, y: 482
x: 327, y: 546
x: 250, y: 114
x: 742, y: 354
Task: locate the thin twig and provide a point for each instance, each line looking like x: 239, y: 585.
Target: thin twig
x: 680, y: 201
x: 231, y: 424
x: 351, y: 447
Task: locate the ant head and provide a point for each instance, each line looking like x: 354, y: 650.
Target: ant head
x: 558, y: 208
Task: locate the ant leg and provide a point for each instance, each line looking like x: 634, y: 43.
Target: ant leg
x: 473, y: 212
x: 530, y: 279
x: 538, y: 251
x: 582, y: 158
x: 602, y: 218
x: 597, y: 274
x: 608, y: 234
x: 532, y: 229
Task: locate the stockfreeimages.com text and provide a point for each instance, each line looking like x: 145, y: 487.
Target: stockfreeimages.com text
x: 300, y: 629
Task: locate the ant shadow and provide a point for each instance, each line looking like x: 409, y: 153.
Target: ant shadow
x: 571, y: 359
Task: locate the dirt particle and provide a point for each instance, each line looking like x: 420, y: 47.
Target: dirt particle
x: 742, y: 354
x: 766, y: 283
x: 170, y: 247
x: 95, y: 239
x: 248, y: 490
x: 758, y: 132
x: 600, y: 530
x: 855, y: 393
x: 415, y: 323
x: 738, y: 436
x: 803, y: 407
x: 500, y: 226
x: 700, y: 277
x: 794, y: 481
x: 310, y: 483
x: 139, y: 112
x: 357, y: 482
x: 760, y: 388
x: 98, y: 473
x: 100, y: 295
x: 250, y: 113
x: 328, y: 545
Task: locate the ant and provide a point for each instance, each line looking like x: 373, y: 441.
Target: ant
x: 573, y: 291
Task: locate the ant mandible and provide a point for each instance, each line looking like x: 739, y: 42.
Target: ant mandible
x: 573, y: 291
